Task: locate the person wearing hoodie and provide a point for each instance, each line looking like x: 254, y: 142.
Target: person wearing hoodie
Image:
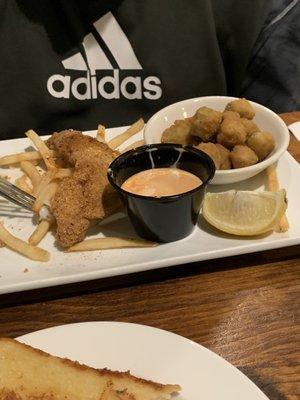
x: 75, y: 64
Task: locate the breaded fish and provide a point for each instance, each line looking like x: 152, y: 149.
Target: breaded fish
x: 30, y: 374
x: 86, y: 195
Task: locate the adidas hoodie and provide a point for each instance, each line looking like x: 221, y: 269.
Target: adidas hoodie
x: 75, y: 64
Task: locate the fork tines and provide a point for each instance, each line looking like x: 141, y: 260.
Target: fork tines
x: 16, y: 195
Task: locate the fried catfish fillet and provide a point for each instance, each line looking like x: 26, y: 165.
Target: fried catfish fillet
x: 86, y: 195
x: 31, y: 374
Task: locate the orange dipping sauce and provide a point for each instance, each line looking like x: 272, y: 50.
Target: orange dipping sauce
x: 159, y: 182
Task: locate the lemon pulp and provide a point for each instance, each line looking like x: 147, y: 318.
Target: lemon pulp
x: 244, y: 213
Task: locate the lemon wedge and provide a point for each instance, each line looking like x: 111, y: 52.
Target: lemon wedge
x: 244, y: 213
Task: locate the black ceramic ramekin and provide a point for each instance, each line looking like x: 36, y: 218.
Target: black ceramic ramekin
x: 169, y: 218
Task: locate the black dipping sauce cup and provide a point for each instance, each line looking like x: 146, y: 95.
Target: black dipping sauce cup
x: 168, y: 218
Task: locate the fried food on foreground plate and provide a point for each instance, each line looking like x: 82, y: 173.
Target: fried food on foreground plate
x: 131, y: 131
x: 242, y: 156
x: 262, y: 143
x: 76, y: 168
x: 40, y: 231
x: 18, y: 245
x: 231, y: 133
x: 212, y: 150
x: 16, y: 158
x: 86, y: 195
x: 230, y: 115
x: 218, y: 153
x: 273, y: 185
x: 32, y: 172
x: 217, y: 133
x: 110, y: 243
x: 42, y: 148
x: 205, y: 123
x: 22, y: 183
x: 241, y: 106
x: 225, y: 157
x: 28, y: 373
x: 249, y: 125
x: 179, y: 132
x: 101, y: 133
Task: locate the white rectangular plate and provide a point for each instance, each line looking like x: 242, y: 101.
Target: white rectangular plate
x: 18, y: 273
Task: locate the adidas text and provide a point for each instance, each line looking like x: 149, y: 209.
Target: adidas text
x: 107, y: 87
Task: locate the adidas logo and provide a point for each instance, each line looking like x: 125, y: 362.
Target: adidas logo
x: 105, y: 61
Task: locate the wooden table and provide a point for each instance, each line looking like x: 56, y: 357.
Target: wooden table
x: 245, y: 308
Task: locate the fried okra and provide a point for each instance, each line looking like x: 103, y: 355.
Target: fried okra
x: 231, y: 138
x: 262, y: 143
x: 249, y: 126
x: 242, y: 156
x: 232, y: 132
x: 211, y: 150
x: 225, y: 162
x: 178, y: 133
x: 230, y: 115
x: 241, y: 106
x: 205, y: 123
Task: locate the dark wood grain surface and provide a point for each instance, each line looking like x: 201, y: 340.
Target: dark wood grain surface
x: 245, y: 308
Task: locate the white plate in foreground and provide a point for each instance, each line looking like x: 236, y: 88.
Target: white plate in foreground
x: 18, y: 273
x: 149, y: 353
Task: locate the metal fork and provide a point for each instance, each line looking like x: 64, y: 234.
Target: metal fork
x: 16, y: 195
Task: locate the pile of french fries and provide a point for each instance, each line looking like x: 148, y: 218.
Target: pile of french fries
x: 42, y: 184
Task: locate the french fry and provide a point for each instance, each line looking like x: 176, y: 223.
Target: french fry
x: 101, y: 133
x: 132, y: 130
x: 29, y: 169
x: 283, y: 225
x: 47, y: 187
x: 43, y: 149
x: 273, y: 185
x: 18, y: 157
x: 46, y: 179
x: 40, y: 231
x: 22, y: 184
x: 110, y: 243
x: 63, y: 173
x: 134, y: 145
x: 22, y: 247
x: 35, y: 162
x: 44, y: 196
